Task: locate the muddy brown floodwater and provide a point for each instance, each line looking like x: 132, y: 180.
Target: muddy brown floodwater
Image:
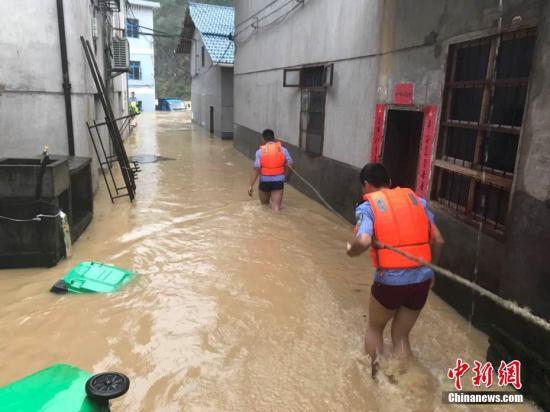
x: 235, y: 308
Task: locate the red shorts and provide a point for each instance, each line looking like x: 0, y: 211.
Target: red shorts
x: 394, y: 296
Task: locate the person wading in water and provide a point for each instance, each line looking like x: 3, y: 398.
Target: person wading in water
x: 271, y: 164
x: 399, y: 218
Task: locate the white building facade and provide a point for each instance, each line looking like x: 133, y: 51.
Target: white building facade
x: 206, y: 38
x: 33, y: 111
x: 141, y: 78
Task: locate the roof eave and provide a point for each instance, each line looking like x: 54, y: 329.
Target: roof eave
x: 186, y: 35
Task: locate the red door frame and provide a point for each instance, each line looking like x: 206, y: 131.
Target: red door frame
x: 426, y: 143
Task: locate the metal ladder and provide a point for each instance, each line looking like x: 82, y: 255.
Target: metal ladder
x: 128, y: 169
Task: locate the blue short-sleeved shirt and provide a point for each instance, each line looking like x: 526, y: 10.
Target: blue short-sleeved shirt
x: 365, y: 224
x: 276, y: 178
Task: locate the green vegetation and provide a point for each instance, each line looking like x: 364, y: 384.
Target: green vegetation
x: 172, y: 70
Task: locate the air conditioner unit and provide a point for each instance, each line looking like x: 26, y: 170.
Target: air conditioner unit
x: 121, y: 55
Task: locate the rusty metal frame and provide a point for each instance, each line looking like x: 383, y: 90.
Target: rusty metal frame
x: 475, y: 171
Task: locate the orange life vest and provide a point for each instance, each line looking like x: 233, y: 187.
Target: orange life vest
x: 399, y: 221
x: 272, y: 159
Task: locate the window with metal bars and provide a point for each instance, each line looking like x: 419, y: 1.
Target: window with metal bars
x: 484, y: 100
x: 312, y: 111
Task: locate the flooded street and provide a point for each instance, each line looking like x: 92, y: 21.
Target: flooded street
x: 234, y: 308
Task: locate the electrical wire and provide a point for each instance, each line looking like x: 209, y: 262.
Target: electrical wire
x: 171, y: 36
x: 37, y: 218
x: 255, y: 14
x: 155, y: 30
x: 225, y: 52
x: 258, y: 20
x: 255, y: 25
x: 271, y: 24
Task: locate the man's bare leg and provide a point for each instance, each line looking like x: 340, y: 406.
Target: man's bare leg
x: 401, y: 327
x: 276, y: 200
x: 264, y: 197
x: 374, y: 339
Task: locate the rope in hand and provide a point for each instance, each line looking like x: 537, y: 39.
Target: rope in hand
x: 504, y: 303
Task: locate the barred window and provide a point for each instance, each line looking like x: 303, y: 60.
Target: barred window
x: 312, y: 113
x: 484, y: 100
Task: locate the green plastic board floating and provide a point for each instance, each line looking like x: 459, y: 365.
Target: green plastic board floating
x: 93, y: 277
x: 63, y: 388
x: 57, y: 388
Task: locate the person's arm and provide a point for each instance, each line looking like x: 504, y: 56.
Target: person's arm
x: 363, y: 232
x: 288, y: 164
x: 436, y: 243
x: 255, y: 173
x: 253, y: 178
x: 359, y: 245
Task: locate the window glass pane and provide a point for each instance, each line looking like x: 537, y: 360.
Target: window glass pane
x: 312, y: 76
x: 314, y: 143
x: 499, y: 151
x: 471, y: 62
x: 466, y: 104
x: 292, y: 77
x: 491, y: 203
x: 305, y: 100
x: 135, y: 72
x: 514, y: 57
x: 508, y: 105
x: 461, y: 143
x: 303, y: 139
x: 316, y: 123
x: 303, y: 120
x: 132, y: 27
x: 454, y: 189
x: 317, y: 101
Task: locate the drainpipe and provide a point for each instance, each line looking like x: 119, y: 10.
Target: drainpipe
x: 66, y: 82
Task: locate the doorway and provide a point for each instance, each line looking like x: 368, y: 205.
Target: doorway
x: 402, y: 146
x: 211, y: 119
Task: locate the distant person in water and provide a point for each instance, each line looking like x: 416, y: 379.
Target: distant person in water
x: 399, y: 218
x: 271, y: 165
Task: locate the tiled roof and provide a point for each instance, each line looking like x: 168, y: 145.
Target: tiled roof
x: 215, y: 24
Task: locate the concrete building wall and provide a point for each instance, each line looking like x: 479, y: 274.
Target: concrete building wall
x: 226, y: 74
x: 32, y: 107
x: 262, y: 102
x: 528, y: 235
x: 379, y: 45
x: 211, y: 86
x: 142, y: 49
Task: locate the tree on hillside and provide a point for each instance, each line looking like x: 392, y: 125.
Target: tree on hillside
x: 172, y: 70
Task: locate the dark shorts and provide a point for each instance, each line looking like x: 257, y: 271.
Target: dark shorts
x: 269, y: 186
x: 394, y: 296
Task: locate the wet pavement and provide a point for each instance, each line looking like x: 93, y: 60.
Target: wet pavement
x: 234, y: 308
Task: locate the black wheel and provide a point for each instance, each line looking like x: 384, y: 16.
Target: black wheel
x: 60, y: 287
x: 108, y: 385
